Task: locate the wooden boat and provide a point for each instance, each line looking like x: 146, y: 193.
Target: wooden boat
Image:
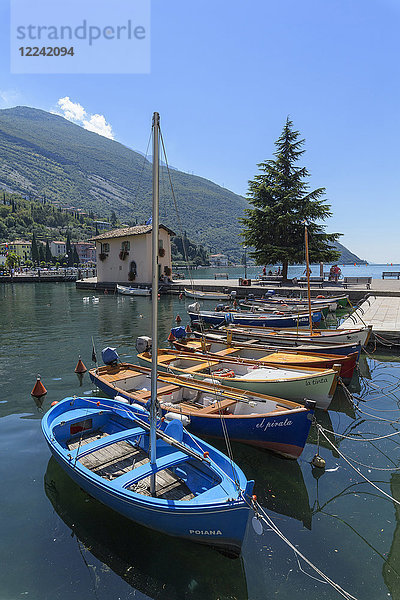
x: 292, y: 358
x: 133, y: 291
x: 277, y: 309
x: 151, y: 471
x: 357, y: 335
x: 103, y: 445
x: 250, y: 319
x: 199, y: 295
x: 311, y: 346
x: 294, y: 384
x: 341, y: 301
x: 272, y: 423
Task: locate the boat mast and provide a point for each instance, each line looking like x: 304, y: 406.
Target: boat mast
x: 308, y: 278
x: 154, y: 299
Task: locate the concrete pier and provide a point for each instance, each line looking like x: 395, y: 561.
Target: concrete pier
x: 355, y: 292
x: 383, y: 313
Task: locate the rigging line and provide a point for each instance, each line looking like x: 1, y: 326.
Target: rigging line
x: 142, y: 169
x: 267, y: 519
x: 358, y: 471
x: 223, y: 424
x: 346, y: 437
x: 177, y: 211
x: 361, y: 537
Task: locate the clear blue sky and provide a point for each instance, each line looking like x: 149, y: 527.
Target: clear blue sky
x: 224, y: 76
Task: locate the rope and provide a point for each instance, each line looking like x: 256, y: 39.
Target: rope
x: 262, y: 514
x: 357, y: 470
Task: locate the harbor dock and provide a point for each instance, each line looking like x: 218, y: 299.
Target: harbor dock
x: 355, y: 292
x: 383, y: 313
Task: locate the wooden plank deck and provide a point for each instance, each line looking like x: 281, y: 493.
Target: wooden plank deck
x: 122, y: 457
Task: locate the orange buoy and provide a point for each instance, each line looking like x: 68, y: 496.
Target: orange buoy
x: 188, y: 329
x: 38, y: 390
x: 178, y: 319
x: 54, y: 403
x: 180, y: 296
x: 206, y: 454
x: 171, y: 337
x: 80, y: 367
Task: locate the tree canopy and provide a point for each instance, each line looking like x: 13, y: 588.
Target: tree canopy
x: 282, y: 205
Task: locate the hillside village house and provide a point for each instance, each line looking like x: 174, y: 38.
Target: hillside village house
x: 218, y: 260
x: 19, y: 247
x: 86, y: 252
x: 124, y: 255
x: 58, y: 248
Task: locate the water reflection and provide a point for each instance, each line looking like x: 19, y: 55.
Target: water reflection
x: 391, y: 567
x: 157, y: 565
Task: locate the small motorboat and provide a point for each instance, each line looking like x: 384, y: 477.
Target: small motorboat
x: 133, y: 291
x: 199, y: 295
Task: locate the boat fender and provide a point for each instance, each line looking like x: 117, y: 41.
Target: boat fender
x: 320, y: 296
x: 184, y: 419
x: 121, y: 399
x: 143, y: 344
x: 318, y: 461
x: 195, y: 307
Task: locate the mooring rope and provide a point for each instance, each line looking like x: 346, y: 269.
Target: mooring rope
x: 261, y: 514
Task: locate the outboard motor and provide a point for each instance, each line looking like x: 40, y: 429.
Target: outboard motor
x: 220, y: 307
x: 179, y: 332
x: 143, y: 344
x: 110, y: 356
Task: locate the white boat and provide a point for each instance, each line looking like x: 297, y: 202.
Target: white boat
x: 295, y: 384
x: 133, y: 291
x: 206, y: 295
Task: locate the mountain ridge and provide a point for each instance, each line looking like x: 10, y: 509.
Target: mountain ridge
x: 44, y: 154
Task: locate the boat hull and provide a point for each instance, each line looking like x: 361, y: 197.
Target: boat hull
x: 221, y: 318
x: 219, y: 523
x: 284, y: 433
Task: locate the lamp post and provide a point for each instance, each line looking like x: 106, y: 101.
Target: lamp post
x: 245, y: 262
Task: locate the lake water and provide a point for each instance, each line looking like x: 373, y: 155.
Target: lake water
x: 57, y: 543
x: 370, y: 270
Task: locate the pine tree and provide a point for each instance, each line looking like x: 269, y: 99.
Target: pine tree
x: 34, y: 250
x: 48, y: 255
x: 42, y: 255
x: 283, y: 205
x: 75, y: 257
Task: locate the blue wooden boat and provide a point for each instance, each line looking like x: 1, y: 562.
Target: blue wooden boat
x: 153, y: 472
x: 253, y: 320
x: 273, y: 423
x: 103, y: 445
x: 309, y: 347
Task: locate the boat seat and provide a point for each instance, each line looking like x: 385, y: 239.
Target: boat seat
x: 123, y: 374
x: 140, y: 394
x: 216, y: 407
x: 166, y: 358
x: 135, y: 475
x: 124, y: 435
x: 201, y: 366
x: 167, y: 389
x: 227, y: 351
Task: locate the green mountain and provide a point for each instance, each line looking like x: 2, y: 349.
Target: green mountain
x: 347, y: 257
x: 42, y: 154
